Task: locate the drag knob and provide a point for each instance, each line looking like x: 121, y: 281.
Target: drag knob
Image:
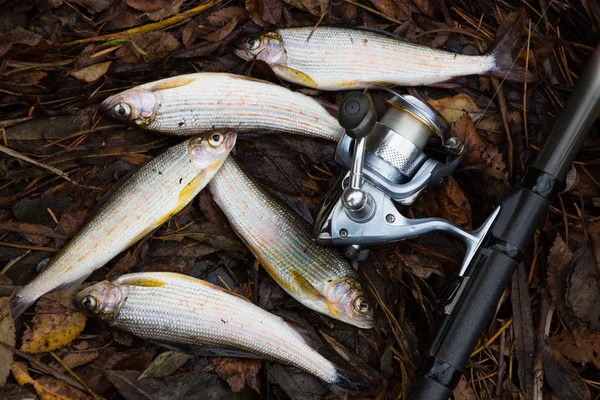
x: 357, y: 115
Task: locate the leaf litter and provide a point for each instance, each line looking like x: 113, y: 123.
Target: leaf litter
x: 61, y: 60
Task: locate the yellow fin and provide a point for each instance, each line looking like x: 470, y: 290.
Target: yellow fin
x: 294, y: 75
x: 172, y: 83
x: 141, y: 281
x: 304, y: 287
x: 190, y: 189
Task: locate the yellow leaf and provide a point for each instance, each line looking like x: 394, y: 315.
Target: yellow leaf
x: 54, y: 326
x: 7, y: 335
x: 452, y: 108
x: 46, y: 387
x: 92, y: 72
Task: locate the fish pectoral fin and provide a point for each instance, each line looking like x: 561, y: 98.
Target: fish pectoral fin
x: 139, y: 280
x: 172, y: 83
x: 191, y: 189
x: 301, y: 286
x: 310, y: 336
x: 294, y: 75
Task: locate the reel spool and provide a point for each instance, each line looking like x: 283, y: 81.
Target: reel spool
x: 387, y: 166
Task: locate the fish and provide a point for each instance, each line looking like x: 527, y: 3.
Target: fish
x: 334, y: 58
x: 281, y: 240
x: 176, y: 308
x: 188, y: 104
x: 157, y: 191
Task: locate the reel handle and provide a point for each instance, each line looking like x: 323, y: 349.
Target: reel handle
x: 357, y: 115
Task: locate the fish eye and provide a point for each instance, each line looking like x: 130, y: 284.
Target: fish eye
x: 362, y: 305
x: 253, y: 43
x: 216, y: 139
x: 89, y: 303
x: 122, y: 110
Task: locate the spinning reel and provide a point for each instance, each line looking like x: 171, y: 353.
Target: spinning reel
x: 387, y: 168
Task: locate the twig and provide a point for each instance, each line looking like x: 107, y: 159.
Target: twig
x: 493, y: 338
x: 148, y: 27
x: 24, y: 246
x: 56, y: 171
x: 538, y: 365
x: 525, y: 88
x: 501, y: 366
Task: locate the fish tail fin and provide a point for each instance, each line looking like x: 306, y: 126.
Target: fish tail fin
x: 355, y: 383
x: 505, y: 66
x: 18, y: 305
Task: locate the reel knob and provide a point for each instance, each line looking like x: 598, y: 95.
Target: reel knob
x: 357, y: 115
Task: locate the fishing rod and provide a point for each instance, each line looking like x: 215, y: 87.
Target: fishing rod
x: 388, y: 167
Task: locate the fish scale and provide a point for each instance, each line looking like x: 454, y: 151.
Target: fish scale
x: 279, y: 238
x: 195, y: 103
x: 154, y: 193
x: 367, y: 57
x: 186, y: 310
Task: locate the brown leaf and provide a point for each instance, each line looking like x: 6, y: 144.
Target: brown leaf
x: 265, y: 12
x: 18, y: 37
x: 396, y: 10
x: 482, y: 155
x: 7, y: 335
x: 463, y: 391
x: 447, y: 201
x: 315, y: 7
x: 165, y: 364
x: 92, y: 72
x: 524, y: 329
x: 222, y: 32
x: 136, y: 359
x: 48, y: 388
x: 583, y: 287
x: 237, y: 371
x: 453, y: 108
x: 54, y: 326
x: 75, y: 215
x: 171, y: 7
x: 94, y: 6
x: 562, y: 377
x: 428, y: 7
x: 224, y: 15
x: 146, y: 5
x: 122, y: 266
x: 155, y: 45
x: 583, y: 350
x: 75, y: 359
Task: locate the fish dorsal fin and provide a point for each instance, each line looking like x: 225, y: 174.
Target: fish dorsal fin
x: 380, y: 32
x: 294, y: 75
x: 172, y: 83
x: 308, y: 335
x: 296, y: 204
x: 301, y: 285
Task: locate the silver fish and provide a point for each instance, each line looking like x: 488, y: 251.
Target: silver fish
x: 189, y: 104
x: 152, y: 195
x: 181, y: 309
x: 343, y: 58
x: 318, y: 277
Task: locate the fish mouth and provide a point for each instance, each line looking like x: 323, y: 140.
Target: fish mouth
x: 243, y: 54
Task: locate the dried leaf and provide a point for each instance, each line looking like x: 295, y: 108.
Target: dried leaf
x: 265, y: 12
x: 226, y: 14
x: 48, y: 388
x: 572, y: 180
x: 428, y: 7
x: 7, y: 335
x: 153, y: 46
x: 122, y: 266
x: 146, y: 5
x: 447, y: 201
x: 453, y: 108
x: 583, y: 287
x: 75, y: 215
x: 315, y: 7
x: 222, y: 32
x: 94, y: 6
x: 463, y: 391
x: 396, y: 10
x: 524, y: 329
x: 75, y: 359
x: 165, y: 364
x: 54, y: 326
x: 562, y: 377
x: 92, y: 72
x: 482, y: 155
x: 583, y: 350
x: 171, y: 7
x: 237, y: 371
x: 9, y: 39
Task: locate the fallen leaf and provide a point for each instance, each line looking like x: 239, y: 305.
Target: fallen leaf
x: 392, y: 9
x: 75, y: 359
x: 447, y: 201
x: 7, y: 335
x: 315, y: 7
x: 237, y: 371
x: 53, y: 326
x: 48, y: 388
x: 562, y: 377
x: 453, y: 108
x: 94, y: 6
x: 148, y: 47
x: 92, y: 72
x: 136, y: 359
x: 428, y: 7
x: 463, y: 391
x: 572, y: 180
x: 122, y: 266
x: 222, y: 32
x: 524, y: 329
x: 146, y: 5
x: 226, y: 14
x: 75, y: 215
x: 165, y: 364
x: 482, y: 155
x: 583, y: 350
x: 265, y: 12
x: 171, y: 7
x: 583, y: 287
x: 296, y: 384
x: 9, y: 39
